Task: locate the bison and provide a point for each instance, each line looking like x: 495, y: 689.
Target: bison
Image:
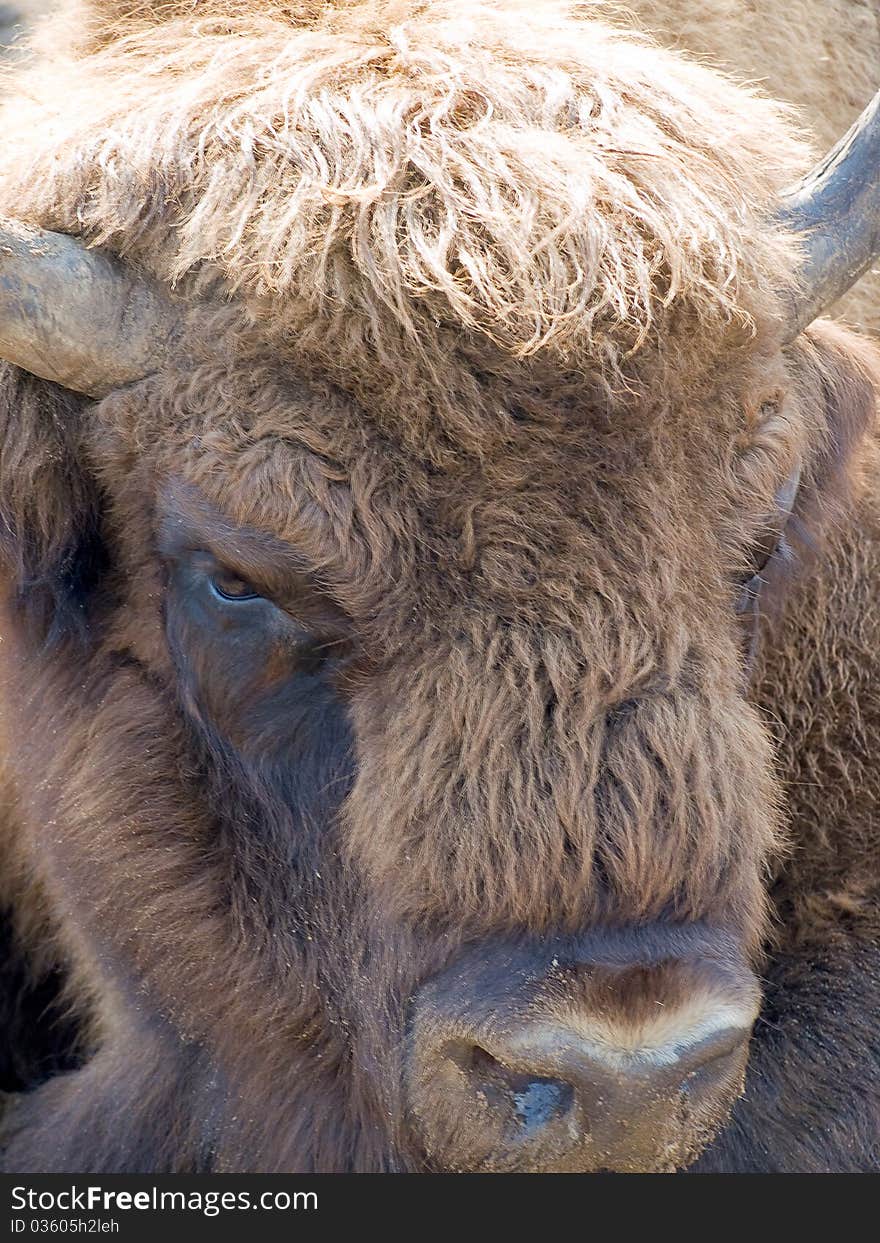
x: 440, y: 640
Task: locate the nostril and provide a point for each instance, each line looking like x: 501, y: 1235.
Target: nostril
x: 542, y: 1100
x: 713, y: 1059
x: 530, y: 1101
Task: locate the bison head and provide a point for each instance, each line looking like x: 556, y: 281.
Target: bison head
x: 377, y: 671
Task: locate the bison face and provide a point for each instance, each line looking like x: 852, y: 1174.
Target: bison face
x: 425, y: 799
x: 479, y: 786
x: 386, y: 614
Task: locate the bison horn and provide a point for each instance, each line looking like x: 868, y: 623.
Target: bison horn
x: 837, y: 208
x: 78, y: 317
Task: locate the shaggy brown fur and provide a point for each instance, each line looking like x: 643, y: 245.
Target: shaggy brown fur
x: 499, y: 408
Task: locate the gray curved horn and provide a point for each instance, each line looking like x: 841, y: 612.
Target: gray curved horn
x: 76, y: 316
x: 837, y: 208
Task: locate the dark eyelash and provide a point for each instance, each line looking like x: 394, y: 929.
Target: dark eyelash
x: 234, y: 597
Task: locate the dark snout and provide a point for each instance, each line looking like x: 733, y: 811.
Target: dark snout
x: 608, y: 1053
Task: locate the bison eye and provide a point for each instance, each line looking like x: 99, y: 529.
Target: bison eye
x: 230, y: 587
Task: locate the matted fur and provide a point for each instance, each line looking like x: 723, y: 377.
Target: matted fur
x: 365, y: 170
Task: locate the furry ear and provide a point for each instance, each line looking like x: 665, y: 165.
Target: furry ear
x: 49, y: 506
x: 838, y: 379
x: 844, y: 370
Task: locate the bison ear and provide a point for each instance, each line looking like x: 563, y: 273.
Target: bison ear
x: 838, y: 382
x: 49, y: 506
x: 840, y: 373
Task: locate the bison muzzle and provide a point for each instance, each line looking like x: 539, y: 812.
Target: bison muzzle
x: 605, y: 1052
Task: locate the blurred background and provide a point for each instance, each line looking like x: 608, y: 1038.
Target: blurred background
x: 14, y: 18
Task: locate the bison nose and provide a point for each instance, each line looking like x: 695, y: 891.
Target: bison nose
x: 554, y: 1096
x: 618, y: 1050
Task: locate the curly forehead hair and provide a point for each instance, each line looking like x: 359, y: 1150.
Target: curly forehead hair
x: 373, y: 175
